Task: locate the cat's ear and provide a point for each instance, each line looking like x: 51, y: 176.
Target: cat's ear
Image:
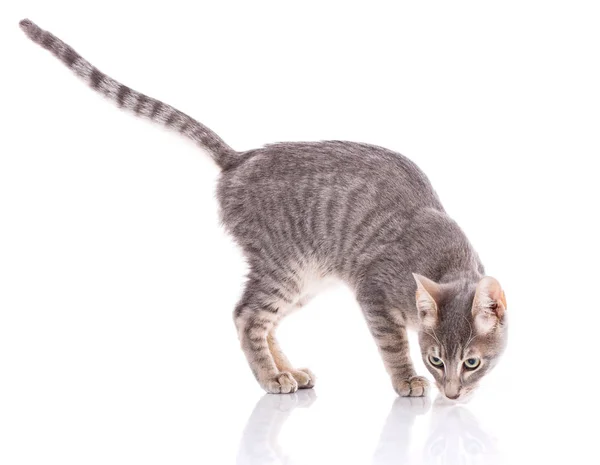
x: 489, y: 305
x: 428, y: 293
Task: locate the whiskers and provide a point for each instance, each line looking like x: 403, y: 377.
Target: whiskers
x: 434, y: 336
x: 471, y: 335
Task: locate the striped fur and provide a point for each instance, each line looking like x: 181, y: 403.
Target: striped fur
x: 306, y: 213
x: 131, y: 100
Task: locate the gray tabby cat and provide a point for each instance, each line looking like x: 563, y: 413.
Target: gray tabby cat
x: 307, y: 211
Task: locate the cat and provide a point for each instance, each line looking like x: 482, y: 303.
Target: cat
x: 304, y: 212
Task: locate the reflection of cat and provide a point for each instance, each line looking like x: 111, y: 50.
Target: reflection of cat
x: 455, y: 436
x: 259, y: 444
x: 394, y: 441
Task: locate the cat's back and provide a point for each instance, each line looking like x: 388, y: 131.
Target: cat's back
x: 332, y: 200
x: 312, y: 168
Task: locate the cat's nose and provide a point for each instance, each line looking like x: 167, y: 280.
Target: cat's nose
x: 452, y: 390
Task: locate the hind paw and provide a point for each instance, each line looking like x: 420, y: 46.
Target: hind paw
x: 283, y: 383
x: 304, y: 377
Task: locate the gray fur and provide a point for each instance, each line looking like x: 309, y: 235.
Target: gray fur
x: 304, y: 212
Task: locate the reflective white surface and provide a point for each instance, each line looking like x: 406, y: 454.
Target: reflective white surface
x: 292, y: 429
x: 453, y: 436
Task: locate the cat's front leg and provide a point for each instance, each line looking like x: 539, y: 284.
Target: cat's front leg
x: 392, y: 341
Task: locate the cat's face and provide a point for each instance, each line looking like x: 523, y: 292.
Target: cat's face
x: 462, y: 332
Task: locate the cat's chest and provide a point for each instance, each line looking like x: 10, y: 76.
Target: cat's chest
x: 310, y: 281
x: 313, y: 282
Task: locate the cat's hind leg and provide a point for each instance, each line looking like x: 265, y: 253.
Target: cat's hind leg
x: 256, y: 316
x: 303, y: 376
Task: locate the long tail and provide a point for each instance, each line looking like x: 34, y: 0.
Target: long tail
x: 132, y: 100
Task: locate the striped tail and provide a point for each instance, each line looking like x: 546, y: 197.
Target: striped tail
x: 134, y: 101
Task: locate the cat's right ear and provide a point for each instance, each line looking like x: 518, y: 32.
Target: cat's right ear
x: 489, y: 304
x: 428, y: 292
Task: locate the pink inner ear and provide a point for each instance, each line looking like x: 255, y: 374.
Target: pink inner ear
x: 503, y: 299
x: 489, y: 294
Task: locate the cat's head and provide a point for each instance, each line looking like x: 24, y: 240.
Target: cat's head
x: 462, y: 331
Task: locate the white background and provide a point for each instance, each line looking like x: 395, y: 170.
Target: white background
x: 117, y: 284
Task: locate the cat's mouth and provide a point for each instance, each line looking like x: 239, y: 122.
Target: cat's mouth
x: 464, y: 396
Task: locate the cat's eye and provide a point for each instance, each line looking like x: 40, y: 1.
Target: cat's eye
x: 472, y: 363
x: 435, y: 361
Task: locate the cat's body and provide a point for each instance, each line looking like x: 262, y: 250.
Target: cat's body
x: 305, y: 213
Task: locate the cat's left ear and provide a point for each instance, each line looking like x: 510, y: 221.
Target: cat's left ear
x: 428, y: 294
x: 489, y: 305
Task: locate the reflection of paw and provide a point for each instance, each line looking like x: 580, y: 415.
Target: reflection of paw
x: 283, y: 383
x: 305, y: 398
x: 304, y: 377
x: 413, y: 405
x: 417, y: 386
x: 300, y: 399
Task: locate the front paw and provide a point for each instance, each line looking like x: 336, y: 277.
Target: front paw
x: 416, y: 386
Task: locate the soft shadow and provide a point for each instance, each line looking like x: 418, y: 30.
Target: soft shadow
x: 454, y: 436
x: 259, y: 444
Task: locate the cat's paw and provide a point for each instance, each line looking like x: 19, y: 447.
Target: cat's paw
x: 304, y: 377
x: 283, y: 383
x: 417, y: 386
